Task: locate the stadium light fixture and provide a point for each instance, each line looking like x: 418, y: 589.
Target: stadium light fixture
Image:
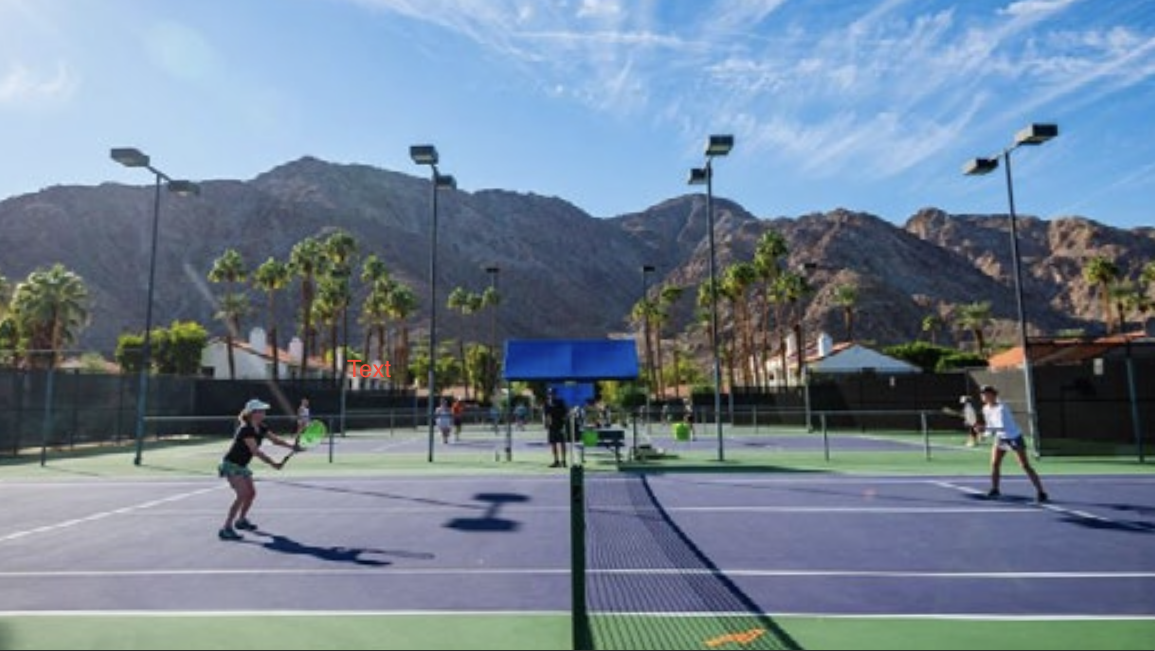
x: 717, y: 145
x: 132, y: 157
x: 1032, y: 134
x: 427, y: 155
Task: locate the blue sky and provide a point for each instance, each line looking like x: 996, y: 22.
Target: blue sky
x: 870, y: 106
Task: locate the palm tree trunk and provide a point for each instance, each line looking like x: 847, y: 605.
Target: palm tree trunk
x: 232, y: 362
x: 272, y: 340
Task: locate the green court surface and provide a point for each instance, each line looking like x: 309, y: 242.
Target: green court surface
x: 550, y: 631
x: 198, y: 457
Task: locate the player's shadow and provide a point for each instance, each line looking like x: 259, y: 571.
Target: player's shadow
x: 1078, y: 516
x: 354, y: 555
x: 369, y: 493
x: 490, y: 521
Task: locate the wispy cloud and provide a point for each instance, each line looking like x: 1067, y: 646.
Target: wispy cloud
x: 881, y: 89
x: 1034, y: 9
x: 21, y: 85
x: 600, y: 9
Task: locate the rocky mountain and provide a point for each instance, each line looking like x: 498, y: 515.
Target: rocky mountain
x: 562, y: 272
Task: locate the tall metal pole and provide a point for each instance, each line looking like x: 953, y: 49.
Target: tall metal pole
x: 433, y: 317
x: 133, y: 157
x: 1033, y: 134
x: 506, y: 412
x: 1028, y: 380
x: 714, y: 307
x: 146, y: 347
x: 645, y: 304
x: 493, y: 271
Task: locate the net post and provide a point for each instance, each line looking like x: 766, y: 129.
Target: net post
x: 825, y: 436
x: 580, y: 611
x: 925, y: 433
x: 332, y: 444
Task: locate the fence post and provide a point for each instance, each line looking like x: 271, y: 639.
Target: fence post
x: 47, y: 425
x: 925, y: 433
x: 825, y: 435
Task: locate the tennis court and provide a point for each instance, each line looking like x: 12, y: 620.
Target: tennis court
x: 774, y: 548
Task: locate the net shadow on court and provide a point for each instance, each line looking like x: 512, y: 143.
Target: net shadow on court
x: 679, y: 599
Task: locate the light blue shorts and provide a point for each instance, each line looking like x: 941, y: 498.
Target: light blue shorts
x: 230, y: 469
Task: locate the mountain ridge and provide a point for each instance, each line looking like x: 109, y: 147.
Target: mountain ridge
x: 563, y: 272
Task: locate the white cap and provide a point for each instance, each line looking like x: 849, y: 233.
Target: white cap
x: 255, y: 405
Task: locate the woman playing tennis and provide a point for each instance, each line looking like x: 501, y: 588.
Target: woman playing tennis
x: 251, y: 432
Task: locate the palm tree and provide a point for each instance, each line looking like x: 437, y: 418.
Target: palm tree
x: 331, y: 295
x: 271, y: 277
x: 641, y: 315
x: 5, y: 295
x: 401, y: 304
x: 1101, y: 272
x: 768, y: 255
x: 467, y: 303
x: 975, y: 317
x: 667, y: 296
x: 792, y: 287
x: 1147, y: 275
x: 50, y: 308
x: 1147, y: 288
x: 933, y: 324
x: 341, y: 249
x: 490, y: 300
x: 375, y: 309
x: 9, y: 337
x: 1127, y: 297
x: 231, y: 308
x: 846, y: 297
x: 307, y: 262
x: 737, y: 280
x: 704, y: 302
x: 230, y: 268
x: 9, y: 340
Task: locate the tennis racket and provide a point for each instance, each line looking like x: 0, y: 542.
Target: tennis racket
x: 311, y: 435
x: 952, y: 412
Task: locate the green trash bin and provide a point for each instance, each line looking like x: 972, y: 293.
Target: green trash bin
x: 681, y: 431
x: 590, y: 438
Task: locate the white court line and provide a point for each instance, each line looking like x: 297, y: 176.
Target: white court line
x: 439, y: 510
x: 555, y: 613
x: 309, y: 479
x: 1048, y: 506
x: 272, y: 613
x: 882, y: 479
x: 540, y: 571
x: 844, y: 509
x: 431, y: 510
x: 929, y: 616
x: 103, y: 514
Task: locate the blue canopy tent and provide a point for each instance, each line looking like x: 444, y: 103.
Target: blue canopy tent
x: 561, y: 361
x: 570, y: 360
x: 574, y: 394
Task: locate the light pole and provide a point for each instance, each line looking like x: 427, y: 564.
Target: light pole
x: 1032, y: 134
x: 131, y: 157
x: 715, y: 146
x: 493, y: 301
x: 804, y: 270
x: 647, y: 269
x: 427, y: 155
x: 493, y: 270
